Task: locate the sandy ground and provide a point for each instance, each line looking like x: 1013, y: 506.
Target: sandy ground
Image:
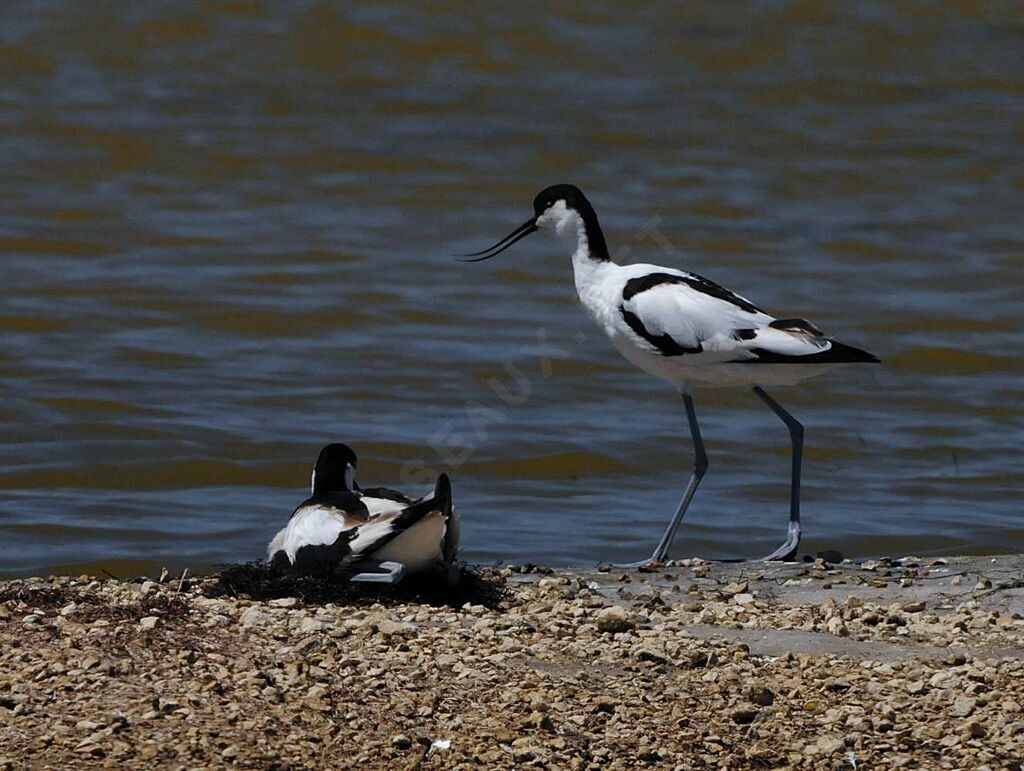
x: 912, y: 663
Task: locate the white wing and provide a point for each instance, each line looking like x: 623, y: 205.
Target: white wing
x: 677, y: 314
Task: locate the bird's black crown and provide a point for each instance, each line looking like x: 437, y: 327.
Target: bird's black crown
x: 575, y: 200
x: 572, y: 195
x: 331, y: 471
x: 335, y: 456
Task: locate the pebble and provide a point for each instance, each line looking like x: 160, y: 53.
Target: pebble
x: 964, y: 706
x: 252, y: 616
x: 761, y: 696
x: 309, y: 625
x: 744, y: 714
x: 556, y: 678
x: 975, y: 730
x: 615, y: 618
x: 827, y: 745
x: 388, y: 627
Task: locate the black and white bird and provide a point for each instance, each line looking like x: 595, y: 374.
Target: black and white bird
x: 687, y: 330
x: 343, y: 527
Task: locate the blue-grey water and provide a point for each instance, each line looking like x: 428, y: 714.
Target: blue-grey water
x: 226, y: 232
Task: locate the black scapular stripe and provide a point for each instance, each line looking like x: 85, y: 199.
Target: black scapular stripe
x: 642, y: 283
x: 664, y: 344
x: 797, y: 325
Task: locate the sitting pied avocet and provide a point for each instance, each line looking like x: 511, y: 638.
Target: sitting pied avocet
x: 373, y: 534
x: 687, y: 330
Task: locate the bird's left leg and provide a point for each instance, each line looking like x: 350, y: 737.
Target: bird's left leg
x: 787, y: 551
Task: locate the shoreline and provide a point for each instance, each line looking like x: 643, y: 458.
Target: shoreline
x: 699, y: 665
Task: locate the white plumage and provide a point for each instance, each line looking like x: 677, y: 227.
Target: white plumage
x: 338, y: 528
x: 685, y: 329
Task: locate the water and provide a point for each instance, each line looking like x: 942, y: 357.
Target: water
x: 226, y: 229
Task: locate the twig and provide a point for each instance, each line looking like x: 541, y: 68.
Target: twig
x: 181, y: 581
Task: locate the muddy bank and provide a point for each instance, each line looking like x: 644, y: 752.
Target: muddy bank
x: 911, y: 663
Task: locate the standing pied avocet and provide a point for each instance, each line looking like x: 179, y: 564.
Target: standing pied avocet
x: 343, y: 526
x: 687, y: 330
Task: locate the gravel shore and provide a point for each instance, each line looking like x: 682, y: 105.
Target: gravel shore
x: 914, y: 663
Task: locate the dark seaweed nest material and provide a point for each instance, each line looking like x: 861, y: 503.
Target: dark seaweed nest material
x: 93, y: 605
x: 258, y: 581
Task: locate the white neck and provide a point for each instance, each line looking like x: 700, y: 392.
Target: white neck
x: 568, y: 227
x: 591, y: 279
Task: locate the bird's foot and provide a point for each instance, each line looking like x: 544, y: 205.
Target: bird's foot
x: 651, y: 563
x: 381, y: 573
x: 786, y: 552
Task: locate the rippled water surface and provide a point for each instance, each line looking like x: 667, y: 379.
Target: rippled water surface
x: 226, y: 232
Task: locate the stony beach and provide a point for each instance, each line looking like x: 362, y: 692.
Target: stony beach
x: 912, y: 663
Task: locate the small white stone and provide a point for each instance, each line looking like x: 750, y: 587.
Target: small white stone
x: 388, y: 627
x: 308, y: 625
x: 149, y: 622
x: 252, y: 616
x: 836, y: 626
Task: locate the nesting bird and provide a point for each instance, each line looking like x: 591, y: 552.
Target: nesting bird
x: 350, y: 530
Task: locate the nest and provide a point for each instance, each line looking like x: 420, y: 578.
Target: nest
x: 261, y: 582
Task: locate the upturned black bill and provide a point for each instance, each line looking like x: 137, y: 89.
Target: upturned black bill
x: 518, y: 234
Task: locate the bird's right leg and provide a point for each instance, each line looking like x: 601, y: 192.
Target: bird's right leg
x: 700, y: 466
x: 787, y: 552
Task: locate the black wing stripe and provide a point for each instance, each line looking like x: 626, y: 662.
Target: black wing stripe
x: 664, y: 344
x: 642, y: 283
x: 797, y: 325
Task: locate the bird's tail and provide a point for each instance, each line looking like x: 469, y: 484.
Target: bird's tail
x: 442, y: 496
x: 383, y: 528
x: 841, y: 352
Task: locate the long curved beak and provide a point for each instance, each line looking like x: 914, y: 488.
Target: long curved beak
x: 518, y: 234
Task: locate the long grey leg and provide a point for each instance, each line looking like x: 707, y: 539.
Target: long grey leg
x: 700, y: 465
x: 788, y: 549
